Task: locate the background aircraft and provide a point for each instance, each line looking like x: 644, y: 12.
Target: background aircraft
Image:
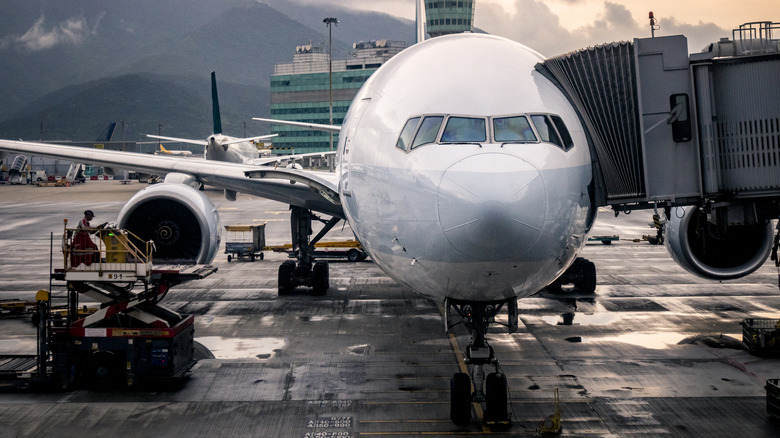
x: 464, y: 173
x: 181, y: 153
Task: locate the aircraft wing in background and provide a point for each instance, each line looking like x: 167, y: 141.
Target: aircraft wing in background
x: 313, y: 190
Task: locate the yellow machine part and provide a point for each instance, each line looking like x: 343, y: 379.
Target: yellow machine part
x: 116, y: 247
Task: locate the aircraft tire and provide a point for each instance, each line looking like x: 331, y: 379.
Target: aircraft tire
x: 460, y: 399
x: 495, y: 397
x: 587, y: 280
x: 320, y: 278
x: 286, y: 271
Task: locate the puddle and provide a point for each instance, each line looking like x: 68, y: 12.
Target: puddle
x: 242, y: 348
x: 600, y: 318
x: 654, y: 341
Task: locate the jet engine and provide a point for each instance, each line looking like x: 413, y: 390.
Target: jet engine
x: 181, y: 221
x: 717, y: 252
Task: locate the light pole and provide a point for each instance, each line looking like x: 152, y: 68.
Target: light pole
x: 330, y: 21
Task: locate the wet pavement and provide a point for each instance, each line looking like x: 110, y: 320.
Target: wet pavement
x: 655, y: 352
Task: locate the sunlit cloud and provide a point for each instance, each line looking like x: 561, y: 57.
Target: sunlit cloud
x: 74, y: 31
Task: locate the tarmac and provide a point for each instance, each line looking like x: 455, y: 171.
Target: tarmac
x: 654, y: 352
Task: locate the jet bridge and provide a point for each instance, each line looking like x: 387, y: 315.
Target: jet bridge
x: 673, y: 129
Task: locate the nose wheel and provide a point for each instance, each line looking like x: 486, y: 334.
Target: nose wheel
x: 492, y: 390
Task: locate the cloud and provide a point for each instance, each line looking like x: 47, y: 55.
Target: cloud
x: 535, y: 25
x: 74, y: 31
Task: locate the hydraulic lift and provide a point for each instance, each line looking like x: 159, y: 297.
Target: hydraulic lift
x: 130, y: 339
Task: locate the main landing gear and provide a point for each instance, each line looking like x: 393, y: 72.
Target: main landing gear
x: 306, y: 272
x: 491, y: 389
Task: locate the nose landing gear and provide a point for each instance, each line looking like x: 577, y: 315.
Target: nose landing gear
x: 491, y: 389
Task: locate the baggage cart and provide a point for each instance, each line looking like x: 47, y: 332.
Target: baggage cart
x: 244, y: 241
x: 761, y: 336
x: 773, y: 397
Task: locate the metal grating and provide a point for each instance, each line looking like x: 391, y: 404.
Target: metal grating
x: 747, y: 124
x: 601, y: 83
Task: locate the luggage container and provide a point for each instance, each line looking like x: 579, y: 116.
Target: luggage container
x: 761, y: 336
x: 244, y: 241
x: 773, y: 397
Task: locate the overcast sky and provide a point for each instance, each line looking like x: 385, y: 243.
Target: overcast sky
x: 558, y: 26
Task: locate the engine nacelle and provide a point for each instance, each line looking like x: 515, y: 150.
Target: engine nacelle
x: 181, y: 221
x: 716, y: 252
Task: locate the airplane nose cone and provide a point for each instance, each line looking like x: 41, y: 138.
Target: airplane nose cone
x: 492, y: 206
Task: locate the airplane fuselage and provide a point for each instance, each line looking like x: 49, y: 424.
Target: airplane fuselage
x: 453, y: 177
x: 232, y: 153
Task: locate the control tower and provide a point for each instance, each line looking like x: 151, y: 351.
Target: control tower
x: 446, y: 17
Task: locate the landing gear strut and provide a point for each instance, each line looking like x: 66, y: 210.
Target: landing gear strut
x: 491, y: 389
x: 306, y: 272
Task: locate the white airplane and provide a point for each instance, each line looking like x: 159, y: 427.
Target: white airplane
x: 220, y: 147
x: 463, y: 172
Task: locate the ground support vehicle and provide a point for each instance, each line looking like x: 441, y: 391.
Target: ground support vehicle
x: 15, y: 307
x: 761, y: 336
x: 129, y: 340
x: 245, y: 241
x: 349, y: 249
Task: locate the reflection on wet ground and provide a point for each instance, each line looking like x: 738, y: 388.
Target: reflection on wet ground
x: 242, y: 348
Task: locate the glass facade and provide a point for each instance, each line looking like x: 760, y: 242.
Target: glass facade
x: 450, y: 16
x: 300, y: 91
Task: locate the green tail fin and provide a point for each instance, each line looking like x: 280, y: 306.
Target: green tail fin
x: 215, y: 105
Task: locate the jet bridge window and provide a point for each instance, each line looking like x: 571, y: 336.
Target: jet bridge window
x: 546, y: 129
x: 429, y: 129
x: 405, y: 139
x: 464, y: 130
x: 513, y: 129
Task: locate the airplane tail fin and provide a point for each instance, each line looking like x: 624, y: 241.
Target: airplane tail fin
x: 106, y: 135
x: 215, y: 105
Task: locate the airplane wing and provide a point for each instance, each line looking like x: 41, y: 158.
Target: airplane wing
x: 280, y: 158
x: 242, y: 140
x: 313, y: 126
x: 317, y: 191
x: 181, y: 140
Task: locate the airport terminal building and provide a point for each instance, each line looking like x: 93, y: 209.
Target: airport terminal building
x: 301, y: 90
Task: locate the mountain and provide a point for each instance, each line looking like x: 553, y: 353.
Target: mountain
x: 65, y: 62
x: 143, y: 102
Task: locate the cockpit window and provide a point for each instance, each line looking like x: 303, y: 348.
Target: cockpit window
x: 464, y: 130
x: 405, y: 139
x: 546, y: 129
x: 565, y: 136
x: 512, y: 129
x: 429, y: 129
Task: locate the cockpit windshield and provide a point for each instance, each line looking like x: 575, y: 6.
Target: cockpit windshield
x: 429, y: 130
x: 521, y: 128
x: 406, y: 134
x: 464, y: 130
x: 510, y: 129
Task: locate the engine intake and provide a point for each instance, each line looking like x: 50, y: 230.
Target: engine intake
x: 181, y: 221
x: 713, y: 251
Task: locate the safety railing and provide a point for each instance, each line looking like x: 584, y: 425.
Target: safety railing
x: 110, y: 253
